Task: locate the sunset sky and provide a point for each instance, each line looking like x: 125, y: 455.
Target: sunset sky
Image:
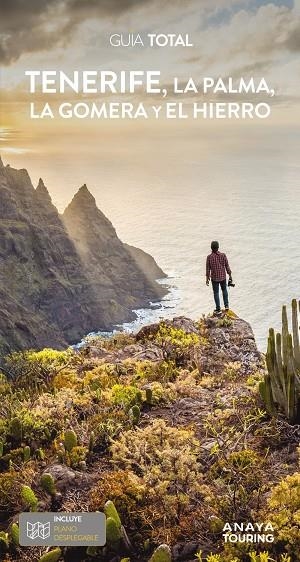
x: 231, y: 38
x: 170, y: 187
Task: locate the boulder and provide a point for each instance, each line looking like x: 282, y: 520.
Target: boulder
x: 64, y: 477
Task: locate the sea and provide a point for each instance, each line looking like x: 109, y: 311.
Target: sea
x: 172, y: 193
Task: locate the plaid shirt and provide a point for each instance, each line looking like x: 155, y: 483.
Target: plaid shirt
x: 216, y: 266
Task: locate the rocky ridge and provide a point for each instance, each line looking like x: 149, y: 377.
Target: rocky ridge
x: 209, y: 422
x: 62, y: 276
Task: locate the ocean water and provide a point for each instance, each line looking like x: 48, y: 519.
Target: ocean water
x: 172, y: 193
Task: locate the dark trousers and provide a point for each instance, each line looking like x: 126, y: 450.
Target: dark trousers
x: 215, y: 286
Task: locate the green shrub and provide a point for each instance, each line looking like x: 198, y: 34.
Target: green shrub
x: 9, y: 491
x: 175, y: 336
x: 37, y: 425
x: 166, y: 457
x: 155, y: 393
x: 77, y: 456
x: 231, y: 371
x: 122, y: 487
x: 107, y: 429
x: 15, y: 430
x: 36, y: 369
x: 284, y: 512
x: 126, y: 396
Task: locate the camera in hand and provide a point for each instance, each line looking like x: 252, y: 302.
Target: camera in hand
x: 230, y: 283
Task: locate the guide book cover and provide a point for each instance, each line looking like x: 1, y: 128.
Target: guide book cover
x: 149, y: 281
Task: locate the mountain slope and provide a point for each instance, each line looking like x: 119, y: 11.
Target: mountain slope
x: 52, y: 290
x: 115, y: 275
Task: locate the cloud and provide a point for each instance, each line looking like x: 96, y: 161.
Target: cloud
x: 37, y: 25
x: 293, y: 40
x: 255, y: 38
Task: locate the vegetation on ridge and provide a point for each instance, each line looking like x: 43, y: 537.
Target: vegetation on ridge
x: 164, y: 431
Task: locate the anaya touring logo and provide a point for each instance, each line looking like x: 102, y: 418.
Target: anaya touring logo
x: 248, y: 532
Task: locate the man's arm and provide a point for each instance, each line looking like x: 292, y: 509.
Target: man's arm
x: 207, y: 270
x: 227, y: 267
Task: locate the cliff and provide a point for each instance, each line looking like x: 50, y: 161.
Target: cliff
x: 62, y: 276
x: 120, y: 279
x: 146, y: 262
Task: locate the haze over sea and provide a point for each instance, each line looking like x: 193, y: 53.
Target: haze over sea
x: 171, y: 193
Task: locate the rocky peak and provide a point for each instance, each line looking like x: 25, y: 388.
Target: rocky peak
x: 43, y: 192
x: 1, y: 163
x: 83, y: 197
x: 83, y: 210
x: 61, y: 276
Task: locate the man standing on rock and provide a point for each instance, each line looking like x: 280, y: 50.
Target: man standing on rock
x: 216, y: 267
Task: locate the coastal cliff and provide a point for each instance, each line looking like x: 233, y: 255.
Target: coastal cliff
x: 62, y: 276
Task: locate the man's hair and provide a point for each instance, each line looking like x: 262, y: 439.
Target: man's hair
x: 214, y: 246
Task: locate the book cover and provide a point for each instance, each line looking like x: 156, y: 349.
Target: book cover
x: 149, y: 281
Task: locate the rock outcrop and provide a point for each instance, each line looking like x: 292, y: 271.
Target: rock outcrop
x: 62, y: 276
x: 200, y: 438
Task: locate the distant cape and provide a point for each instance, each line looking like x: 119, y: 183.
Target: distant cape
x: 62, y: 276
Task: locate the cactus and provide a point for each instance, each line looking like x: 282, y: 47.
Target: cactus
x: 113, y: 524
x: 111, y: 512
x: 265, y: 391
x: 149, y: 395
x: 47, y: 433
x: 70, y: 439
x: 113, y: 532
x: 15, y: 534
x: 40, y: 455
x: 91, y: 442
x: 47, y: 483
x: 61, y: 455
x: 4, y: 542
x: 280, y: 388
x: 161, y: 554
x: 92, y: 551
x: 135, y: 414
x: 29, y: 498
x: 15, y: 430
x: 295, y: 326
x: 51, y: 556
x: 26, y: 453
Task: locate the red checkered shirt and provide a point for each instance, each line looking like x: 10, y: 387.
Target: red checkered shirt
x: 216, y: 266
